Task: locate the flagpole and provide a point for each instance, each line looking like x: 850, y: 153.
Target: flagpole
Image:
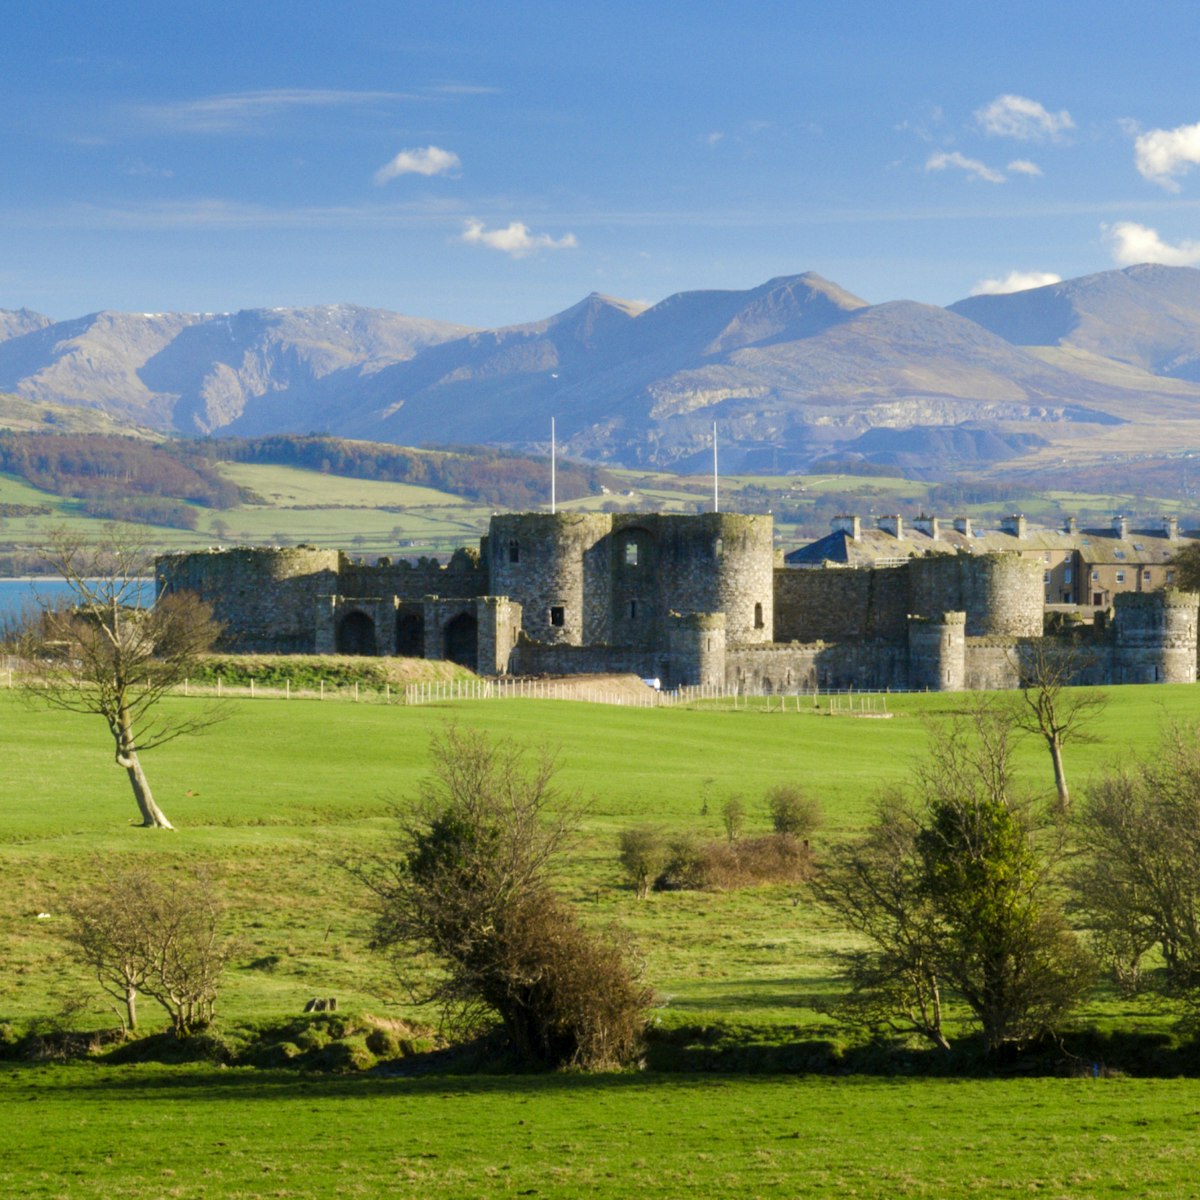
x: 716, y: 493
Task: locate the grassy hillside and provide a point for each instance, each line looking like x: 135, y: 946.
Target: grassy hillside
x: 284, y: 792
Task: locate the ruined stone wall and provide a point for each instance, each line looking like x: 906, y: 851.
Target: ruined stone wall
x: 800, y: 668
x: 992, y: 663
x: 464, y: 575
x: 265, y: 598
x: 835, y: 605
x: 541, y: 658
x: 499, y: 629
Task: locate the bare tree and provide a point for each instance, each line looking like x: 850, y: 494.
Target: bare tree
x: 468, y: 889
x: 107, y: 653
x: 140, y: 933
x: 1054, y: 710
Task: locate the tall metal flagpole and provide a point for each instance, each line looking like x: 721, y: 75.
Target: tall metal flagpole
x: 716, y: 493
x: 553, y: 481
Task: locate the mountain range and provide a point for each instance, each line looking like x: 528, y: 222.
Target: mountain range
x: 794, y: 372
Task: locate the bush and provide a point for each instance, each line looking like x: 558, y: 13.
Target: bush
x: 468, y: 890
x: 748, y: 862
x: 643, y: 854
x: 792, y: 812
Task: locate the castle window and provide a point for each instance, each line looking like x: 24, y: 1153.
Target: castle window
x: 514, y: 552
x: 633, y: 610
x: 719, y: 548
x: 1045, y: 576
x: 631, y: 554
x: 758, y: 616
x: 558, y: 615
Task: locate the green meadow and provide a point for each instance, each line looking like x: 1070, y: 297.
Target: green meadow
x: 282, y: 794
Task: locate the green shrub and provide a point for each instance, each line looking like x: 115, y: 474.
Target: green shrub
x: 643, y: 854
x: 793, y: 812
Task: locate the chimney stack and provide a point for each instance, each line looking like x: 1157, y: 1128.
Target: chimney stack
x: 893, y: 523
x: 927, y: 525
x: 1014, y: 525
x: 1171, y: 528
x: 963, y: 525
x: 846, y: 523
x: 1121, y: 527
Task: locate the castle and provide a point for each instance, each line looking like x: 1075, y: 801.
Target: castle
x: 685, y: 599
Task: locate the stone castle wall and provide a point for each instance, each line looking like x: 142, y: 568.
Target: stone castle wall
x: 687, y: 599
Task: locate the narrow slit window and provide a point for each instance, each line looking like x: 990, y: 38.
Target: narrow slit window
x: 633, y: 610
x: 514, y: 552
x: 558, y: 615
x: 758, y: 616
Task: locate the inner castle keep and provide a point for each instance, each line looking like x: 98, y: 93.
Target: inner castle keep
x: 685, y: 599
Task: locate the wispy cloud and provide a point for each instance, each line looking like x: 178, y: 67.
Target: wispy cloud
x: 429, y: 160
x: 140, y: 169
x: 1161, y: 154
x: 1022, y: 166
x: 464, y: 89
x: 1014, y: 281
x: 1132, y: 243
x: 515, y: 239
x: 941, y: 159
x: 239, y: 112
x: 1021, y: 118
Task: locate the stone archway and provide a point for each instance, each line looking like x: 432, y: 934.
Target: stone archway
x: 356, y: 634
x: 410, y: 635
x: 460, y: 640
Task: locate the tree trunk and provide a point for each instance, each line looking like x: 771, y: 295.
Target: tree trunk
x: 1060, y: 775
x: 153, y: 817
x: 131, y: 1006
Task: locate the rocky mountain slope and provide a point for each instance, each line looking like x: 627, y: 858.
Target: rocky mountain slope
x: 793, y: 371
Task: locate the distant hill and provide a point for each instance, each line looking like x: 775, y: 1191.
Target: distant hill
x: 793, y: 372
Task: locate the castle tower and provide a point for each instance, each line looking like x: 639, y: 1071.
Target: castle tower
x: 937, y: 652
x: 265, y: 598
x: 696, y: 648
x: 1154, y: 636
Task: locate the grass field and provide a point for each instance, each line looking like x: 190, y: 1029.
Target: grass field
x: 283, y: 792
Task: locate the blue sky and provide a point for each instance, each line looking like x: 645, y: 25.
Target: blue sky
x: 493, y: 163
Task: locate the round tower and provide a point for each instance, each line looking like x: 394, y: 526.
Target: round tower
x: 937, y: 652
x: 1154, y: 636
x: 550, y: 563
x: 696, y: 649
x: 265, y: 597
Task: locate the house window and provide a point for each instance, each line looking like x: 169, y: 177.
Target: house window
x: 1146, y: 576
x: 1045, y: 576
x: 514, y: 552
x: 1096, y: 575
x: 631, y: 554
x: 558, y: 615
x: 1120, y: 576
x: 1066, y: 574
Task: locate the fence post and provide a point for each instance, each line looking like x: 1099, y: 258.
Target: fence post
x: 252, y: 688
x: 287, y: 689
x: 218, y: 685
x: 322, y: 696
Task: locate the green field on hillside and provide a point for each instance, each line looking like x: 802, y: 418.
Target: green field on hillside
x: 282, y: 794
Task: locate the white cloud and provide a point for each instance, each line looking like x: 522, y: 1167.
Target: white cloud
x: 942, y: 159
x: 429, y: 160
x: 1015, y: 281
x: 1022, y: 166
x: 714, y: 137
x: 240, y: 111
x: 1162, y: 154
x: 1133, y: 243
x: 1021, y: 118
x: 515, y: 239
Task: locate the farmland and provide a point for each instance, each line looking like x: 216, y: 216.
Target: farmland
x: 278, y: 797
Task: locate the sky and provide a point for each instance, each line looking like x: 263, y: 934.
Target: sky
x: 494, y: 163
